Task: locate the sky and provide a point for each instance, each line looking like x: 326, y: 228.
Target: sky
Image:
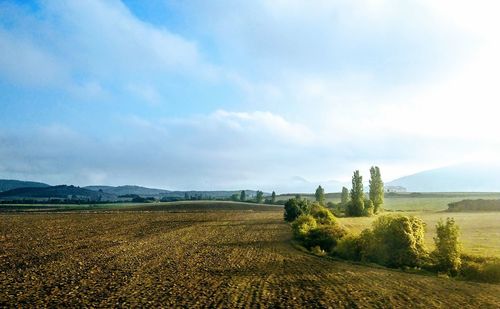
x: 229, y: 94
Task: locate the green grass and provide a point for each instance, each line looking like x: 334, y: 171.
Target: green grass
x: 413, y: 201
x: 480, y: 231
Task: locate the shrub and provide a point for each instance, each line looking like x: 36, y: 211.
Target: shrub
x: 448, y: 247
x: 349, y: 248
x: 369, y: 209
x: 302, y: 226
x: 323, y: 215
x: 295, y: 207
x: 480, y: 269
x: 325, y: 236
x: 395, y: 241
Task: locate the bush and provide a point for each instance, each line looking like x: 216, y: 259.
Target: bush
x: 448, y: 247
x: 395, y: 241
x: 323, y: 215
x: 295, y: 207
x: 303, y: 225
x: 326, y: 237
x: 369, y: 209
x: 480, y: 269
x: 349, y: 248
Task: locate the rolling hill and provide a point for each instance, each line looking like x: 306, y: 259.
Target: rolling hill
x: 471, y: 177
x: 56, y: 192
x: 9, y: 184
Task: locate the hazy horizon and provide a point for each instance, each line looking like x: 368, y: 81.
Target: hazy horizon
x: 232, y: 95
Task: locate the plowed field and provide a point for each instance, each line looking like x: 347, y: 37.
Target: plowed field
x: 209, y: 259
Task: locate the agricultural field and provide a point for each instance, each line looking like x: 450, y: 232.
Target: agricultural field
x: 480, y: 231
x: 217, y: 258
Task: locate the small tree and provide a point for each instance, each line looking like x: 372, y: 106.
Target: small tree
x: 234, y: 197
x: 243, y: 195
x: 448, y: 247
x: 294, y: 208
x: 323, y: 215
x: 357, y: 204
x: 344, y: 197
x: 259, y: 197
x: 376, y: 189
x: 320, y: 195
x: 273, y: 197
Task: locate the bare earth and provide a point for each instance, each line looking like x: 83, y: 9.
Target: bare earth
x: 211, y: 259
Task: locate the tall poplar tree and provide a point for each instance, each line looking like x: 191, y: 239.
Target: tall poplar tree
x: 344, y: 197
x: 243, y: 195
x: 357, y: 204
x: 376, y: 189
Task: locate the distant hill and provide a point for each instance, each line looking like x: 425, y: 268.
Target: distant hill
x: 129, y: 190
x: 56, y: 192
x: 9, y: 184
x: 161, y: 193
x: 472, y: 177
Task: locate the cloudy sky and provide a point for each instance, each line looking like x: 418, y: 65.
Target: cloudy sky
x: 244, y: 94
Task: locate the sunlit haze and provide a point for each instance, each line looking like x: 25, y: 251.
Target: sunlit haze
x: 245, y: 94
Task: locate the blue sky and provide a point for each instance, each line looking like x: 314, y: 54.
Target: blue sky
x: 244, y: 94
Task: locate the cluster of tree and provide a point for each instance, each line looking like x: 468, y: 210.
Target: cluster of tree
x: 354, y: 202
x: 393, y: 241
x: 313, y: 225
x: 259, y: 197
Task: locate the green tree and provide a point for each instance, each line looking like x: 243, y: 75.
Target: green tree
x: 448, y: 247
x: 376, y: 189
x: 295, y: 207
x: 320, y: 195
x: 235, y: 197
x: 259, y: 197
x: 273, y: 197
x: 395, y: 241
x: 344, y: 197
x: 357, y: 205
x: 243, y: 195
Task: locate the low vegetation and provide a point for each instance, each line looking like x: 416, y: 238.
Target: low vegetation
x: 474, y: 205
x: 395, y: 241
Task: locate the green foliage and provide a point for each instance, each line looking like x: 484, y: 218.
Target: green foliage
x: 376, y: 189
x: 243, y: 195
x: 295, y: 207
x: 303, y: 225
x: 320, y: 195
x: 235, y: 197
x: 344, y: 197
x: 323, y: 215
x: 349, y: 248
x: 395, y: 241
x: 357, y: 204
x: 273, y: 197
x: 448, y: 247
x: 480, y: 269
x: 259, y: 198
x: 369, y: 209
x: 325, y: 236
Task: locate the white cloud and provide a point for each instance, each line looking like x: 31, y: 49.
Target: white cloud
x: 24, y: 63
